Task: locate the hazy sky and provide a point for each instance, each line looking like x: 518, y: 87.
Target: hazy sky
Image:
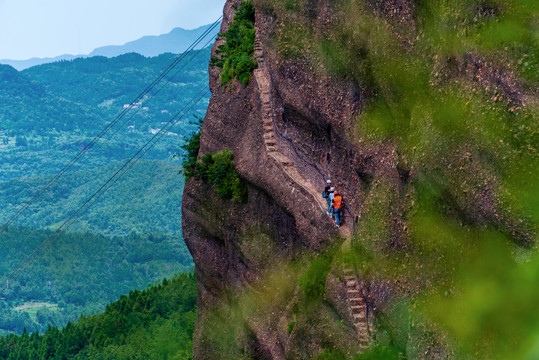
x: 48, y: 28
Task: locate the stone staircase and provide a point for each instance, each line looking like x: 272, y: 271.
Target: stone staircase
x: 358, y: 308
x: 264, y: 87
x: 356, y: 303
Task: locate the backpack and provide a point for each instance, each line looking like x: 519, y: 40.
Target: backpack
x: 324, y: 194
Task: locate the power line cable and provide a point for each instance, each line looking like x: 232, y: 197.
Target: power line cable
x: 101, y: 191
x: 96, y: 149
x: 153, y: 97
x: 110, y: 125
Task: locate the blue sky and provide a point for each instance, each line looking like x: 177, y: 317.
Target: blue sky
x: 48, y: 28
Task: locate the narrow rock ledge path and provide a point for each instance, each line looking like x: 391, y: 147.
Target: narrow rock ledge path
x: 270, y: 140
x: 355, y: 299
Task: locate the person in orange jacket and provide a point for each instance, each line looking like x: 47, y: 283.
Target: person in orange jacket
x: 337, y: 207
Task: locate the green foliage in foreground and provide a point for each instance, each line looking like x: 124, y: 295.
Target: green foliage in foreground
x: 468, y: 251
x: 80, y: 273
x: 236, y: 54
x: 313, y: 281
x: 218, y: 169
x: 156, y: 323
x: 379, y: 353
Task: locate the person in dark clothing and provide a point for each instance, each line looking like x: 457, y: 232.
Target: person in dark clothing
x: 326, y: 193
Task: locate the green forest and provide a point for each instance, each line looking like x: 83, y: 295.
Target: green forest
x: 136, y: 203
x: 156, y: 323
x: 132, y: 235
x: 80, y: 273
x: 51, y: 112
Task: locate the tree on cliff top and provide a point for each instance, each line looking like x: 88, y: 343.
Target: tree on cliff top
x: 236, y: 54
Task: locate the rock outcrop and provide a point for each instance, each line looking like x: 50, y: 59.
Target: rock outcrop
x: 291, y: 129
x: 285, y: 158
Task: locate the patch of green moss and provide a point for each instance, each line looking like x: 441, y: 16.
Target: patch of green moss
x: 290, y: 326
x: 330, y: 354
x: 256, y: 244
x: 313, y: 281
x: 236, y: 54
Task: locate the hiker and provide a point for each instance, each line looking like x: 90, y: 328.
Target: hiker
x: 325, y: 194
x: 337, y: 207
x: 331, y: 195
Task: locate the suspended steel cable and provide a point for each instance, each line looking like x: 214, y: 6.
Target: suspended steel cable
x: 102, y: 190
x: 137, y: 109
x: 150, y: 99
x: 165, y: 72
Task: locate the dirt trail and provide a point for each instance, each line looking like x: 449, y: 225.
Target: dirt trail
x: 263, y: 80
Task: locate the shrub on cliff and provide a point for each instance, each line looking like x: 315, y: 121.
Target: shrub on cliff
x: 218, y: 169
x: 236, y: 54
x: 191, y: 148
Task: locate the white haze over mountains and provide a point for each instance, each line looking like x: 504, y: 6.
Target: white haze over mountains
x: 49, y: 28
x: 176, y: 42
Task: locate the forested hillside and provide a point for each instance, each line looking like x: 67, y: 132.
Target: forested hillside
x: 137, y: 203
x: 50, y: 112
x: 132, y: 235
x: 153, y: 324
x: 80, y: 273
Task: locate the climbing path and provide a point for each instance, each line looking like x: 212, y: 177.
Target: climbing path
x: 270, y: 140
x: 358, y: 308
x: 356, y: 302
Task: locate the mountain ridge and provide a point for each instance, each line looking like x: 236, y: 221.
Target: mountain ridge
x: 176, y: 41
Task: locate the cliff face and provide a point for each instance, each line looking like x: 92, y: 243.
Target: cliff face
x: 294, y: 126
x: 283, y: 218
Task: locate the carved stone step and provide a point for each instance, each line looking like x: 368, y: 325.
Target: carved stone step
x: 271, y: 149
x: 358, y: 307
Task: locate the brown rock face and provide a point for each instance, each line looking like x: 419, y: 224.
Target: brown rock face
x: 291, y: 129
x: 311, y: 146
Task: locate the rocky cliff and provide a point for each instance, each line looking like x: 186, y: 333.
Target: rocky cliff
x: 276, y: 277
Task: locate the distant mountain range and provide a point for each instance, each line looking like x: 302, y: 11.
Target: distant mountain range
x: 176, y: 42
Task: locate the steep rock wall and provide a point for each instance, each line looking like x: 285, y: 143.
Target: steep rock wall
x: 312, y: 134
x: 293, y: 116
